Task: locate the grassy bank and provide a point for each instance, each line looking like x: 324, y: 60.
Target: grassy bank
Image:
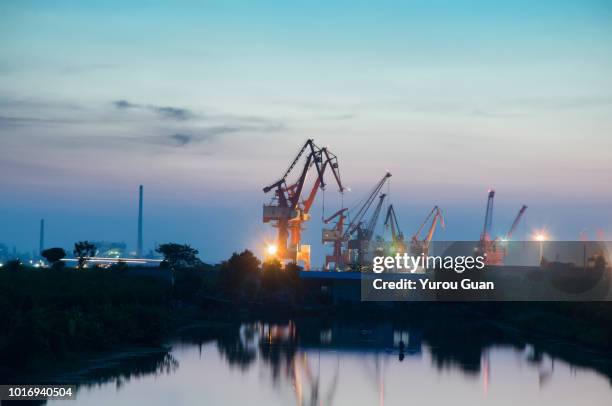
x: 47, y: 315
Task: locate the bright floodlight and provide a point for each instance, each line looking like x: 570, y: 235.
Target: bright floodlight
x: 272, y: 249
x: 540, y: 237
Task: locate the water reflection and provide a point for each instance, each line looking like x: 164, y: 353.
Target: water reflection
x: 121, y: 368
x: 309, y: 362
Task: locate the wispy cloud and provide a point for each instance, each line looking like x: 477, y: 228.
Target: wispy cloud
x: 181, y: 139
x: 9, y: 121
x: 123, y: 125
x: 73, y: 69
x: 176, y: 113
x: 205, y: 134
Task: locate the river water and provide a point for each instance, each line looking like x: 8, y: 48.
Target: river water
x: 308, y: 363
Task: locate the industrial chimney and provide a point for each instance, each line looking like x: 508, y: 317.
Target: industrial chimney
x: 41, y: 241
x: 139, y: 249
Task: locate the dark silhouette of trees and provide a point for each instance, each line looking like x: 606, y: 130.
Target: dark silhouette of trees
x: 83, y: 250
x: 13, y: 265
x: 178, y: 256
x: 239, y: 276
x: 54, y: 256
x: 53, y: 315
x: 278, y: 284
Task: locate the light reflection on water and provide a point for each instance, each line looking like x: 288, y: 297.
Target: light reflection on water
x: 307, y: 364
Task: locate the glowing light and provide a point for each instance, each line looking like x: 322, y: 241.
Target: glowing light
x: 272, y: 249
x: 540, y: 237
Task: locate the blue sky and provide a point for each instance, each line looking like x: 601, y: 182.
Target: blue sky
x: 206, y: 102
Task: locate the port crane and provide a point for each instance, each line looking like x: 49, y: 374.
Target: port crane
x: 288, y: 212
x: 494, y: 254
x: 397, y: 237
x: 359, y: 244
x: 420, y: 246
x: 334, y: 235
x: 488, y: 223
x: 338, y: 235
x: 493, y: 251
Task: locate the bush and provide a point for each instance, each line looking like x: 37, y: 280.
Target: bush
x: 53, y: 314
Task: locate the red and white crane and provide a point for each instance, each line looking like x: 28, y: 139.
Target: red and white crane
x: 288, y: 212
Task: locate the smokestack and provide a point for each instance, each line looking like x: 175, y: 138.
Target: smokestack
x: 41, y: 241
x: 139, y: 249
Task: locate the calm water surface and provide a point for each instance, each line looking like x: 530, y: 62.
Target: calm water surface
x: 309, y: 364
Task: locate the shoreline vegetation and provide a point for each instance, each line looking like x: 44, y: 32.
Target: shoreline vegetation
x: 51, y: 315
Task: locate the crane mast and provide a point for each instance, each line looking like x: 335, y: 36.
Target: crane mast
x: 488, y: 223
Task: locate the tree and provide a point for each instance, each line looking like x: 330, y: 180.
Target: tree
x: 178, y: 256
x: 54, y: 256
x: 279, y: 283
x: 240, y: 275
x: 83, y: 250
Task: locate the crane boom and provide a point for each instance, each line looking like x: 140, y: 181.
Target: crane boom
x: 516, y: 222
x: 331, y: 161
x: 358, y: 218
x: 309, y: 143
x: 333, y: 216
x: 419, y: 246
x: 486, y: 230
x: 374, y: 219
x: 437, y: 217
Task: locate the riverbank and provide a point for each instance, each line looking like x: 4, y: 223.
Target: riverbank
x: 48, y: 317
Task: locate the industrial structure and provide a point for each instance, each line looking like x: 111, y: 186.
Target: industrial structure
x: 356, y: 237
x: 335, y: 236
x: 351, y: 231
x: 139, y: 244
x: 493, y: 248
x: 420, y: 245
x: 397, y: 237
x: 288, y: 211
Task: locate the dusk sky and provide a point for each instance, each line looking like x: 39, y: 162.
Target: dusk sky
x: 205, y: 103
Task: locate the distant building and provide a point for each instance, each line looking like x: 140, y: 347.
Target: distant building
x: 110, y: 249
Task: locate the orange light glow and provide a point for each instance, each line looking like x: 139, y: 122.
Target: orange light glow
x: 271, y: 249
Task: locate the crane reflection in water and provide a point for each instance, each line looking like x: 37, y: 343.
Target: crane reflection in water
x: 312, y: 362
